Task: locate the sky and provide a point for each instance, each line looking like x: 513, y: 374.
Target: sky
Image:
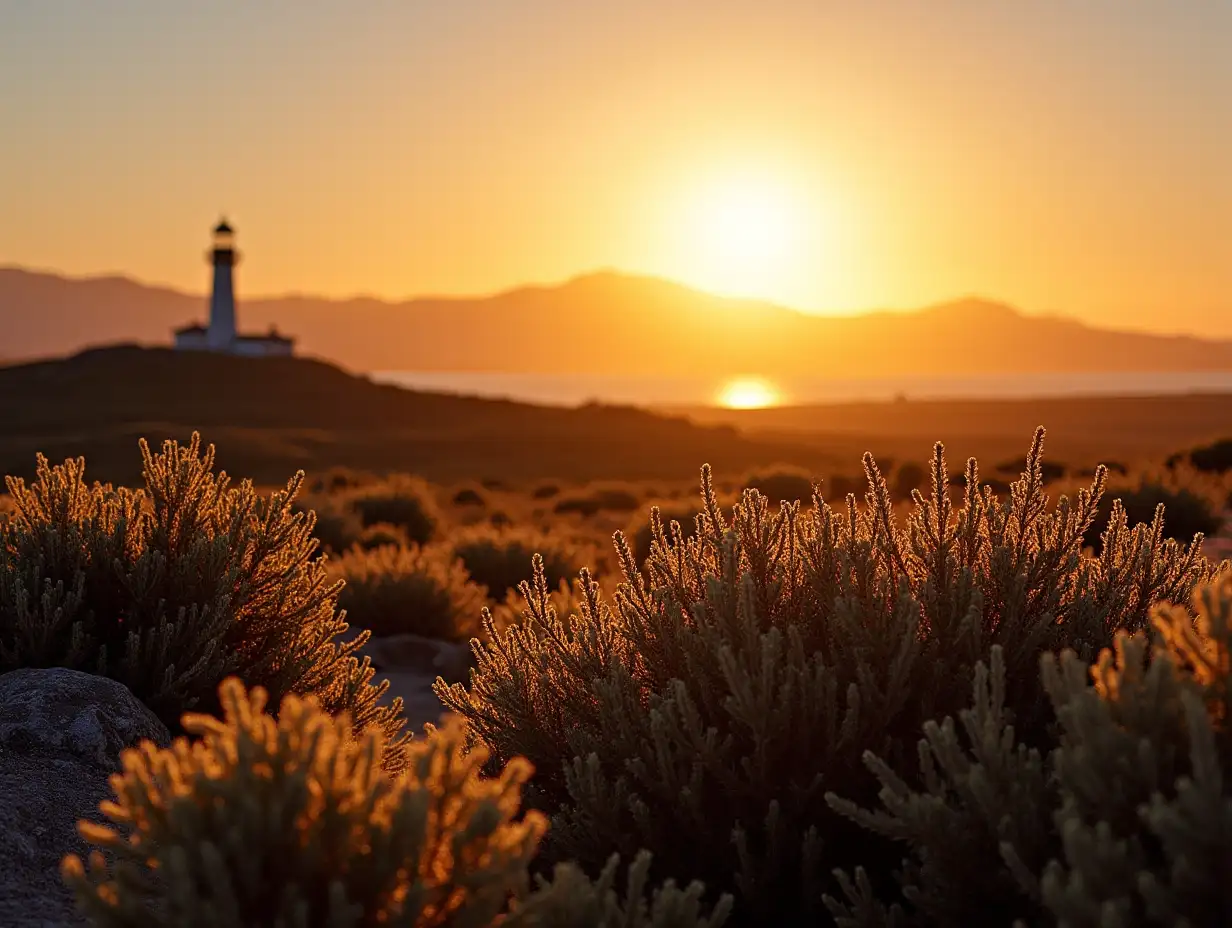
x: 1066, y: 156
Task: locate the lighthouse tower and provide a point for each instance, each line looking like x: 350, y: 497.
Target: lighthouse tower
x: 220, y: 335
x: 220, y: 332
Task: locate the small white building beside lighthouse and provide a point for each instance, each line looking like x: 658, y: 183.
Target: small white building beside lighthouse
x: 220, y: 334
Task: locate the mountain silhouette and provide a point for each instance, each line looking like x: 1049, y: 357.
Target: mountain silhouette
x: 600, y: 323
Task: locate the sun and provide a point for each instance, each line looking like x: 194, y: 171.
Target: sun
x: 748, y: 393
x: 744, y: 235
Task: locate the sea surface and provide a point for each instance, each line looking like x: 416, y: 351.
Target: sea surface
x: 578, y: 389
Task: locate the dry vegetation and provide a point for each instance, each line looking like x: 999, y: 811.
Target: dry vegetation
x: 830, y: 712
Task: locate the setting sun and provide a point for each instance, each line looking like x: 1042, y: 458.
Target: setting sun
x: 744, y: 234
x: 749, y: 393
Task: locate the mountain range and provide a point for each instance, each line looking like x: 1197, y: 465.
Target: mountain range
x: 599, y: 323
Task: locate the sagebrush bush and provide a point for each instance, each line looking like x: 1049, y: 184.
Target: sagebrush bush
x: 598, y: 499
x: 1125, y: 818
x: 1187, y: 511
x: 337, y: 479
x: 336, y: 525
x: 418, y: 590
x: 704, y: 712
x: 908, y: 478
x: 1214, y: 458
x: 382, y: 535
x: 469, y: 496
x: 545, y: 491
x: 172, y: 588
x: 782, y: 483
x: 642, y: 532
x: 500, y: 559
x: 291, y: 821
x: 406, y: 502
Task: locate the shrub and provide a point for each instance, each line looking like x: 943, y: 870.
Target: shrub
x: 395, y: 590
x: 469, y: 496
x: 336, y: 526
x: 291, y: 822
x: 337, y: 479
x: 382, y: 536
x: 909, y: 476
x: 545, y: 491
x: 839, y: 486
x: 172, y: 588
x: 1186, y: 513
x: 1213, y: 458
x: 782, y: 483
x: 1050, y: 471
x: 1125, y: 818
x: 501, y: 559
x: 643, y: 531
x: 500, y: 519
x: 703, y: 713
x: 599, y: 499
x: 406, y: 502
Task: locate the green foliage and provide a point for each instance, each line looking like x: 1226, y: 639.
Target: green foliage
x: 790, y: 484
x: 500, y: 559
x: 291, y: 821
x: 419, y: 590
x: 599, y: 499
x: 1123, y: 817
x: 704, y: 712
x: 406, y: 502
x: 175, y: 587
x: 1186, y: 511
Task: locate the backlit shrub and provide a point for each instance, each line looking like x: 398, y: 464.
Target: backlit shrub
x: 406, y: 502
x: 706, y: 709
x: 336, y: 525
x: 1186, y: 511
x: 500, y: 559
x: 782, y: 483
x: 382, y: 535
x: 290, y: 821
x: 469, y: 496
x: 1125, y: 819
x: 594, y: 500
x: 171, y: 588
x: 417, y: 590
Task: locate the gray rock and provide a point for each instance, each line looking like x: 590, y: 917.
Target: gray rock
x: 61, y: 735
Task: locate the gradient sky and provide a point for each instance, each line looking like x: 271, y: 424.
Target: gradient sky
x: 1070, y: 156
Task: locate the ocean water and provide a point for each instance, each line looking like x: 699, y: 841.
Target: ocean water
x: 578, y: 389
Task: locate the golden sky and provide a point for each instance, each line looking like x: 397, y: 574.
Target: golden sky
x: 1070, y: 156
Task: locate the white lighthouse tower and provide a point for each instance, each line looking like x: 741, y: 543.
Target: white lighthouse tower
x: 221, y: 332
x: 220, y: 336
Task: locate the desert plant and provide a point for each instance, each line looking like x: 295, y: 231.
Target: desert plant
x: 406, y: 502
x: 290, y: 821
x: 469, y: 496
x: 704, y: 713
x: 1213, y: 458
x: 1125, y: 819
x: 782, y: 483
x: 598, y: 499
x: 418, y: 590
x: 545, y: 491
x: 335, y: 524
x: 382, y: 535
x: 172, y: 588
x: 908, y: 478
x: 500, y: 559
x: 642, y: 532
x: 337, y: 479
x: 1187, y: 511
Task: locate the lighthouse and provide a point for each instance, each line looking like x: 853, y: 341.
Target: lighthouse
x: 220, y: 333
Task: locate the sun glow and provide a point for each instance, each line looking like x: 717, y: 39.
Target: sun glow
x: 746, y: 234
x: 748, y: 393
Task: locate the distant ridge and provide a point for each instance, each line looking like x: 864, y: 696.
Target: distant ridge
x: 602, y: 323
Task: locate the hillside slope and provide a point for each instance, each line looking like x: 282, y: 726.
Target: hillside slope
x: 605, y: 323
x: 271, y: 416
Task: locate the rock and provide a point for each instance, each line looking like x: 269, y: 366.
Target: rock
x: 415, y: 653
x: 61, y: 735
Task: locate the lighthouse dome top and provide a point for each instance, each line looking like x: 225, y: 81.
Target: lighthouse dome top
x: 223, y: 228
